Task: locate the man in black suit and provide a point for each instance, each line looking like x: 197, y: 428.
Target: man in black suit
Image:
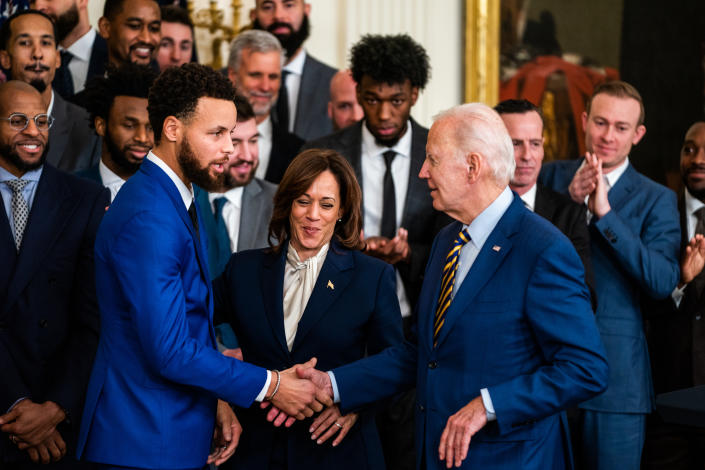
x: 387, y: 149
x: 73, y: 146
x: 48, y: 310
x: 132, y: 30
x: 83, y: 52
x: 676, y: 326
x: 525, y: 126
x: 304, y: 94
x: 254, y: 68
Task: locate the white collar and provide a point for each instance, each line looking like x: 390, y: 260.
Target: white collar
x: 265, y: 128
x: 296, y: 66
x: 529, y: 198
x: 372, y: 148
x: 51, y: 103
x: 691, y: 203
x: 613, y: 176
x: 185, y: 192
x: 82, y: 48
x: 234, y: 196
x: 107, y: 175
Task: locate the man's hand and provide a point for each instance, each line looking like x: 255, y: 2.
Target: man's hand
x: 32, y: 423
x: 598, y: 203
x: 693, y: 259
x: 459, y: 429
x: 298, y: 396
x: 392, y: 251
x: 236, y: 353
x: 330, y: 422
x: 583, y: 182
x: 52, y: 449
x: 226, y: 434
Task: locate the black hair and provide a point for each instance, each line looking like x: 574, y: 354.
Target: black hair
x: 244, y: 109
x: 5, y: 30
x: 390, y: 59
x: 126, y: 80
x: 516, y: 107
x: 176, y: 14
x: 177, y: 90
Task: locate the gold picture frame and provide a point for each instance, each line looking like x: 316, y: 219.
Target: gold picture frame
x: 481, y: 52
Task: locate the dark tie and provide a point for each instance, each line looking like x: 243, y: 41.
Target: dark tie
x: 389, y: 205
x: 449, y: 270
x: 283, y: 103
x: 697, y: 321
x: 194, y: 219
x: 20, y: 209
x: 700, y: 225
x: 221, y: 228
x: 63, y: 82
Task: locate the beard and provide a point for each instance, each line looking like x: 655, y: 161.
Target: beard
x: 234, y: 182
x: 697, y: 193
x: 38, y: 84
x: 119, y: 156
x: 15, y: 159
x: 66, y: 22
x: 193, y: 170
x: 290, y: 42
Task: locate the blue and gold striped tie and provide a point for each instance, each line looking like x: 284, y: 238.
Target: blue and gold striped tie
x: 449, y: 270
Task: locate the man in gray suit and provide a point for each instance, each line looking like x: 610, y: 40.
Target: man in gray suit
x: 302, y: 106
x: 74, y: 146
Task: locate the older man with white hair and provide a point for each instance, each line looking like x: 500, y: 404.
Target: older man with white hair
x: 507, y: 338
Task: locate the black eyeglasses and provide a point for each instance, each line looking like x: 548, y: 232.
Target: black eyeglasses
x: 19, y: 121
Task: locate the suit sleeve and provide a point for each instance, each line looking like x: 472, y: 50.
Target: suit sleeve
x: 385, y: 326
x: 580, y: 237
x: 651, y: 256
x: 148, y: 256
x: 13, y: 387
x: 561, y: 320
x: 68, y: 383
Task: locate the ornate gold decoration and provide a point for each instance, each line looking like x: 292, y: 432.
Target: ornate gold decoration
x: 211, y: 18
x: 482, y: 51
x: 550, y: 134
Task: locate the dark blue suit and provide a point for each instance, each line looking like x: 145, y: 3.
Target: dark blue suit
x: 151, y: 400
x: 520, y: 325
x: 353, y: 309
x: 634, y: 251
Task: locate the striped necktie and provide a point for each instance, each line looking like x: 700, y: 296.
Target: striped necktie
x: 449, y: 270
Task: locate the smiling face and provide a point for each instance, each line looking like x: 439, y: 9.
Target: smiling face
x: 314, y: 214
x: 25, y: 150
x: 245, y: 157
x: 176, y: 46
x: 526, y: 131
x: 693, y: 160
x: 134, y: 34
x: 258, y: 79
x: 386, y: 108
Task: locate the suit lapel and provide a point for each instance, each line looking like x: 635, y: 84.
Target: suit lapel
x: 544, y: 205
x: 59, y: 132
x: 251, y: 207
x: 416, y: 185
x: 272, y: 285
x: 333, y: 278
x: 8, y: 254
x: 51, y: 212
x: 621, y: 191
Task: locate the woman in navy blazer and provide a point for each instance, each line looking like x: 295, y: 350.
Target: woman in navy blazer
x: 339, y: 307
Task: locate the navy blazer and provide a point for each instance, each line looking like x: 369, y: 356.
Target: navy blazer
x: 48, y: 310
x: 520, y: 325
x: 352, y: 310
x: 634, y: 250
x: 73, y: 144
x: 151, y: 400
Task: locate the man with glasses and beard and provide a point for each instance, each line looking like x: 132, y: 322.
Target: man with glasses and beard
x: 28, y: 49
x: 83, y: 52
x: 302, y: 106
x: 117, y: 104
x: 48, y: 311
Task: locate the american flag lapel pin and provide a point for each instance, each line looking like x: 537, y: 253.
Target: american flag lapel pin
x: 330, y: 285
x: 497, y: 248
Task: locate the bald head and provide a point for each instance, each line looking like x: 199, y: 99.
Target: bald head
x: 343, y: 108
x: 10, y: 90
x: 693, y: 160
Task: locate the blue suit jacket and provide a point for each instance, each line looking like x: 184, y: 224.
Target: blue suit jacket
x: 353, y: 309
x: 520, y: 325
x: 634, y: 251
x: 152, y: 395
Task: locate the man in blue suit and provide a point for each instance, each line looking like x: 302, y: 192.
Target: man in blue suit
x: 634, y: 243
x: 152, y: 401
x: 507, y: 338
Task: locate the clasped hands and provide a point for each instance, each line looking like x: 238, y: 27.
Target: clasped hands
x: 589, y: 182
x: 32, y: 428
x: 390, y: 250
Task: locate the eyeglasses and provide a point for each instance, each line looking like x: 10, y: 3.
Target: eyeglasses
x: 19, y: 121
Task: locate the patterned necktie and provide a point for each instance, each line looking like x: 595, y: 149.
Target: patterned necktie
x: 20, y: 209
x: 388, y: 227
x: 449, y: 270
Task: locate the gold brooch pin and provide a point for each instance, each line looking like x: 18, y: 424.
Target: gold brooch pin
x: 330, y: 285
x: 496, y: 248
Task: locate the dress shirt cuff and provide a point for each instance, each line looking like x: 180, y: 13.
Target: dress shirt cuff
x: 487, y: 402
x: 15, y: 404
x: 263, y: 392
x: 677, y: 294
x: 334, y: 385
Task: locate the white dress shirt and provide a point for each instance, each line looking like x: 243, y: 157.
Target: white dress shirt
x: 293, y: 84
x: 529, y: 198
x: 692, y: 205
x: 231, y: 212
x: 264, y: 146
x: 373, y: 169
x: 81, y: 51
x: 110, y: 180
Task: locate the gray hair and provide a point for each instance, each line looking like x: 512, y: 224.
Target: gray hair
x: 478, y: 128
x: 254, y: 40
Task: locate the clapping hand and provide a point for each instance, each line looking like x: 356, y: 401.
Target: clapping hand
x: 693, y: 259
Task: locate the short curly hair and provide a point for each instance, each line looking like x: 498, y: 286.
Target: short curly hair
x: 127, y: 80
x: 177, y: 90
x: 390, y: 59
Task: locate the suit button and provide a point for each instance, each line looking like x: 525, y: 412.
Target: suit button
x: 421, y: 408
x: 43, y: 323
x: 432, y: 365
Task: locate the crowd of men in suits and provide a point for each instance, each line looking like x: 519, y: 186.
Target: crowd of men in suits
x: 536, y: 371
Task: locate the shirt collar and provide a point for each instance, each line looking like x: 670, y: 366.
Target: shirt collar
x: 529, y: 198
x: 234, y: 196
x: 82, y: 48
x: 108, y: 176
x: 613, y: 176
x: 481, y: 227
x: 296, y: 66
x: 185, y: 192
x: 372, y: 148
x: 691, y: 203
x: 32, y: 175
x: 265, y: 128
x: 51, y: 103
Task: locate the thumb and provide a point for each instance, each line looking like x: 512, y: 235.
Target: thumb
x: 228, y: 431
x: 310, y: 363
